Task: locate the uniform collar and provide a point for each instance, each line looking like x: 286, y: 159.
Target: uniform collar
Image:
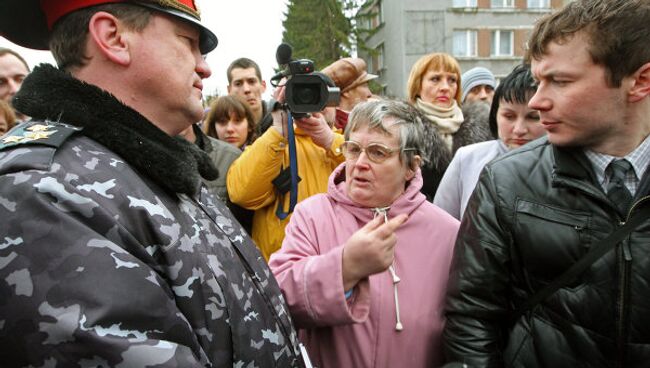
x: 171, y: 162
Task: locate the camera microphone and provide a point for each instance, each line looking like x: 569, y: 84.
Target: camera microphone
x: 283, y: 54
x: 306, y: 90
x: 283, y: 57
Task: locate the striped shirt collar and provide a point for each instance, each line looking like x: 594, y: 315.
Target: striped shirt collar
x: 639, y: 158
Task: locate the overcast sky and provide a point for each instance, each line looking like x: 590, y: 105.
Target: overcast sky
x: 250, y: 28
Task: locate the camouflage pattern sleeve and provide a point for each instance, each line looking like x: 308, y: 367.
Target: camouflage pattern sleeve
x: 69, y: 295
x: 100, y: 265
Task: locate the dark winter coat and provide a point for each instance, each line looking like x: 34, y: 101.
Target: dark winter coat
x: 475, y: 128
x: 435, y: 159
x: 534, y: 213
x: 115, y: 254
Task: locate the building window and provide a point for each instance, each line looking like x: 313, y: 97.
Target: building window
x: 502, y: 3
x: 377, y: 60
x: 465, y: 4
x: 377, y: 16
x: 538, y: 4
x: 464, y: 43
x: 502, y: 43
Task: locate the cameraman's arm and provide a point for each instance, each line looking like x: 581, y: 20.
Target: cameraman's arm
x: 249, y: 177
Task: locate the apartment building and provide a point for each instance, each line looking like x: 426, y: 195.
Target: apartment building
x: 489, y: 33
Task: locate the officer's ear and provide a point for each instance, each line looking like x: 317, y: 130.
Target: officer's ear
x: 109, y: 37
x: 640, y: 88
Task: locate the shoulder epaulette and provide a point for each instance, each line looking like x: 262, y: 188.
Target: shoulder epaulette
x: 46, y: 133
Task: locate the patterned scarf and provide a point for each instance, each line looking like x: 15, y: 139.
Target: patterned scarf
x: 446, y: 120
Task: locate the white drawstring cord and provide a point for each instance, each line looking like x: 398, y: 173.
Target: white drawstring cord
x: 396, y: 279
x: 398, y: 325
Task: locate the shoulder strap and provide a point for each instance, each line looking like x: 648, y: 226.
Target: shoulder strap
x: 597, y: 251
x: 293, y: 169
x: 47, y: 133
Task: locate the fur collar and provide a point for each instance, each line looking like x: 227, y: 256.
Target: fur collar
x: 172, y: 162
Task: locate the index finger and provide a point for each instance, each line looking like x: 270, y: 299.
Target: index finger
x: 391, y: 225
x: 373, y: 224
x: 278, y: 93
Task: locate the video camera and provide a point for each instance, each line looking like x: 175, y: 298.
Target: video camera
x: 306, y: 90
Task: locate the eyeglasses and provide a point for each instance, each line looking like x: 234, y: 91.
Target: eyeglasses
x: 376, y: 152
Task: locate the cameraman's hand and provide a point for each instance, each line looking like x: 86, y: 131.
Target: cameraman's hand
x: 280, y: 116
x: 317, y: 128
x: 370, y: 250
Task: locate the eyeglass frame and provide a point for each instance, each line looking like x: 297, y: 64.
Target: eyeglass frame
x: 390, y: 151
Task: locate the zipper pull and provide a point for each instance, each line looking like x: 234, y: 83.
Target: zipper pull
x: 627, y: 252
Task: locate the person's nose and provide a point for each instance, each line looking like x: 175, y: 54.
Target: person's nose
x: 14, y: 86
x: 540, y: 101
x: 230, y: 127
x: 483, y: 95
x: 362, y: 160
x: 520, y: 129
x: 444, y: 84
x: 247, y: 87
x: 202, y: 68
x: 367, y: 92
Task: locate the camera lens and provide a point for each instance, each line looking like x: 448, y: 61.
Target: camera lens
x: 306, y: 94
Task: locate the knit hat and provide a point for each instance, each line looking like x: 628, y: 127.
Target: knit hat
x: 476, y: 77
x: 348, y: 73
x: 28, y: 22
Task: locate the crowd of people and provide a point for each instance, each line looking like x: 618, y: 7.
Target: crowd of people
x: 477, y: 223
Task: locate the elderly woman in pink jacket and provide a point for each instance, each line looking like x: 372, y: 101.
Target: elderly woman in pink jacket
x: 364, y: 267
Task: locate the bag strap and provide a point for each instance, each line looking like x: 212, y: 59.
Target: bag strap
x: 596, y: 252
x: 293, y: 167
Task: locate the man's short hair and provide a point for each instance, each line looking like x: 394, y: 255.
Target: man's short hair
x: 69, y: 34
x: 5, y: 51
x: 617, y: 32
x: 243, y: 63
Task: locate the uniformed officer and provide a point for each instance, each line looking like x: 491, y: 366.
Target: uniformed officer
x: 112, y: 252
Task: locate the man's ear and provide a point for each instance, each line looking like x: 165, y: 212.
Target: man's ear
x: 640, y: 84
x: 263, y: 86
x: 110, y: 38
x: 228, y: 89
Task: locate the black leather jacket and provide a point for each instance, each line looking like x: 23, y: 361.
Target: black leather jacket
x: 534, y: 213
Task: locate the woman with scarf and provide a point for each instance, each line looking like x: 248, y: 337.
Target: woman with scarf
x: 512, y: 124
x: 364, y: 267
x: 434, y: 89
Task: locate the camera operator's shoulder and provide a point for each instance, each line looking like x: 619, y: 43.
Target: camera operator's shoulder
x: 32, y: 145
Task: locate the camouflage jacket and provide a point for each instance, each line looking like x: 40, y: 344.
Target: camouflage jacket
x: 108, y: 259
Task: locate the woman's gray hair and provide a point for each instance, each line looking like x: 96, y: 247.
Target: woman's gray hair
x: 378, y: 113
